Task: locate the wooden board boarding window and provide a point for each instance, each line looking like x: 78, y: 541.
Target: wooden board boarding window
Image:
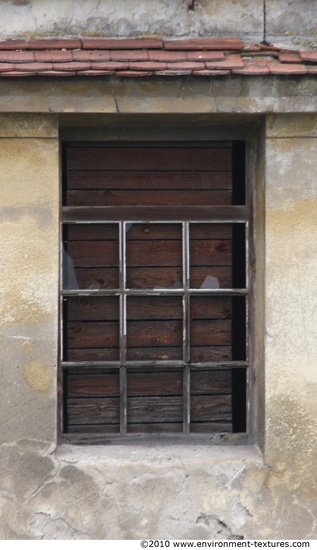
x: 154, y: 288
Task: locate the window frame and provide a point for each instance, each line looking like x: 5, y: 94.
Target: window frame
x: 230, y: 214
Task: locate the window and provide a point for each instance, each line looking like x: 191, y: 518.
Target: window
x: 154, y: 296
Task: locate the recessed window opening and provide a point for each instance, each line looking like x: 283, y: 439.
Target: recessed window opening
x: 154, y: 297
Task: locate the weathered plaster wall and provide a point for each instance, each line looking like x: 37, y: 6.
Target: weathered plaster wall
x: 284, y: 22
x: 150, y: 491
x: 28, y: 260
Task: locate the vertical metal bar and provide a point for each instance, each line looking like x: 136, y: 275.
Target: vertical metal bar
x: 186, y: 329
x: 123, y: 329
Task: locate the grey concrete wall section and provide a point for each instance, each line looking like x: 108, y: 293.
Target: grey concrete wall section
x: 290, y: 23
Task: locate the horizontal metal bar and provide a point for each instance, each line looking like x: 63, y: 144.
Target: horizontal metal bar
x: 144, y: 214
x: 159, y: 363
x: 163, y: 291
x: 91, y: 364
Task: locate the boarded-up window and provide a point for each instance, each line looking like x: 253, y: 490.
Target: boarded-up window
x: 154, y: 288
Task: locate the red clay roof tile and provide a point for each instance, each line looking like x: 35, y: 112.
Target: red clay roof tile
x: 134, y: 73
x: 91, y: 55
x: 30, y: 67
x: 200, y: 55
x: 289, y: 57
x: 231, y: 62
x: 53, y: 43
x: 110, y: 66
x: 309, y: 55
x: 121, y: 43
x: 203, y: 44
x: 53, y: 55
x: 16, y: 57
x: 132, y: 57
x: 13, y: 45
x: 129, y: 55
x: 162, y: 55
x: 287, y: 68
x: 72, y: 66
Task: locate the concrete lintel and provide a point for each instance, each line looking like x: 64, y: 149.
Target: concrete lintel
x: 238, y: 95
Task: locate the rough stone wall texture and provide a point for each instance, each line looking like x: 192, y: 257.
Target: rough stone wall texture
x: 171, y: 491
x: 283, y: 22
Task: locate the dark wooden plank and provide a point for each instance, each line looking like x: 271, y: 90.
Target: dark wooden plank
x: 158, y: 158
x: 116, y: 197
x: 204, y: 307
x: 210, y: 382
x: 151, y: 428
x: 147, y: 231
x: 210, y: 332
x: 210, y: 231
x: 155, y: 409
x: 154, y: 231
x: 201, y: 354
x: 123, y: 179
x: 92, y: 334
x: 92, y: 232
x: 155, y: 354
x: 139, y: 384
x: 171, y: 277
x: 93, y: 411
x: 93, y: 308
x: 198, y: 275
x: 155, y: 383
x: 215, y: 252
x: 106, y: 429
x: 93, y: 253
x: 210, y: 427
x: 155, y: 213
x: 97, y: 277
x: 154, y: 308
x: 154, y: 333
x: 206, y: 409
x: 93, y: 385
x: 153, y: 253
x: 93, y: 354
x: 154, y: 277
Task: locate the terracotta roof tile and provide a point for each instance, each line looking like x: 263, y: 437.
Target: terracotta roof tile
x: 162, y: 55
x: 231, y: 62
x: 134, y: 73
x: 13, y: 45
x: 5, y: 67
x: 16, y: 57
x: 205, y: 56
x: 209, y: 72
x: 309, y: 55
x: 129, y: 55
x: 148, y: 65
x: 72, y: 66
x: 203, y: 44
x: 91, y: 55
x: 287, y: 68
x: 54, y: 43
x: 289, y: 57
x: 121, y: 43
x: 53, y: 55
x: 31, y: 67
x: 110, y: 66
x: 57, y: 73
x: 134, y: 57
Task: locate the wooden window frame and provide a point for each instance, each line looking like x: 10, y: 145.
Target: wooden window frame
x: 235, y: 214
